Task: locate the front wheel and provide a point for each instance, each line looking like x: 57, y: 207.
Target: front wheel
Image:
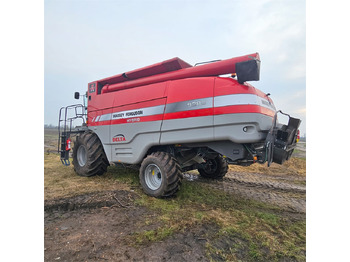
x: 160, y: 175
x: 215, y: 168
x: 89, y: 158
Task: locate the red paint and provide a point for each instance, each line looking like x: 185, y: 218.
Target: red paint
x: 68, y: 144
x: 227, y: 66
x: 228, y: 86
x: 192, y: 113
x: 155, y: 69
x: 236, y: 109
x: 189, y: 113
x: 118, y: 139
x: 144, y: 104
x: 185, y: 83
x: 190, y: 89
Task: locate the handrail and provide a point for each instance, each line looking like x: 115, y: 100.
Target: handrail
x: 68, y: 121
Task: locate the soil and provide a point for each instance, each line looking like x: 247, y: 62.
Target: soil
x: 285, y: 191
x: 100, y: 226
x: 97, y: 227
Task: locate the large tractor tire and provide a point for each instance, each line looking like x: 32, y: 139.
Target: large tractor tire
x: 214, y: 168
x: 160, y: 175
x: 89, y: 158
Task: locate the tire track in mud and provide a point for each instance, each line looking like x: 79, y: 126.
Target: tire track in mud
x: 286, y: 192
x: 120, y: 198
x: 257, y: 180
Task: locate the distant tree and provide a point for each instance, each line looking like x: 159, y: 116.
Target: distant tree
x: 50, y: 126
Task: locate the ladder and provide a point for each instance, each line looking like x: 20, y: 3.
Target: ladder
x: 68, y: 116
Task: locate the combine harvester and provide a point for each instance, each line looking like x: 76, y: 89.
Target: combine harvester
x: 172, y: 117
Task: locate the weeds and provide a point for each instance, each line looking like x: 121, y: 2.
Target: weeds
x: 152, y: 235
x: 250, y: 230
x: 243, y: 229
x: 61, y: 181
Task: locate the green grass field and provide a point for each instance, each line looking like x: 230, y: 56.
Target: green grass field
x: 243, y: 230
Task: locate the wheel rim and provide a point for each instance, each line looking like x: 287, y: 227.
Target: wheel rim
x: 82, y: 155
x: 153, y: 176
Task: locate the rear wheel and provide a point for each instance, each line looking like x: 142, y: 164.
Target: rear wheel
x: 160, y: 175
x: 215, y: 168
x: 89, y: 158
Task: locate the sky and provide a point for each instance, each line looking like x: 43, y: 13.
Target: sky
x: 83, y: 41
x: 91, y: 40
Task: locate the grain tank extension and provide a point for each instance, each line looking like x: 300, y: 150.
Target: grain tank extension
x: 172, y: 117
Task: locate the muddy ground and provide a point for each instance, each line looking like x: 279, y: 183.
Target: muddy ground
x: 101, y: 226
x: 96, y: 228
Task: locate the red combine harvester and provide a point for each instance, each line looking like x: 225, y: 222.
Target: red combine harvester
x: 172, y: 117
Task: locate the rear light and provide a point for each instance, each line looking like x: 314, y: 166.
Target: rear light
x: 298, y: 136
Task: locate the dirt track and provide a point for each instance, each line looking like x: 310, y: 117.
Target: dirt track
x: 284, y: 191
x: 100, y: 226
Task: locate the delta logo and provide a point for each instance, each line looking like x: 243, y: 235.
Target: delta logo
x: 118, y: 138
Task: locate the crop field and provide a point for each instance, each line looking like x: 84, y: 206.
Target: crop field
x: 255, y: 213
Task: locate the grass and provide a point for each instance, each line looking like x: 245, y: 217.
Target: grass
x: 152, y: 235
x: 61, y: 181
x: 239, y: 229
x: 255, y: 230
x: 294, y: 166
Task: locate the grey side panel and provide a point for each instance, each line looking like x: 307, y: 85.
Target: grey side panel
x: 242, y: 99
x: 187, y: 130
x: 139, y: 137
x: 187, y: 105
x: 103, y: 134
x: 242, y: 128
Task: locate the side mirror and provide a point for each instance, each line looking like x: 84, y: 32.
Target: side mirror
x: 76, y: 95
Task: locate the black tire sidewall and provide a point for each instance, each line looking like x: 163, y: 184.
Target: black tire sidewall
x: 85, y: 170
x: 148, y: 161
x: 170, y: 172
x: 221, y: 169
x: 80, y: 170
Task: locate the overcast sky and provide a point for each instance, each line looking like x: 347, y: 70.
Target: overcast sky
x: 90, y: 40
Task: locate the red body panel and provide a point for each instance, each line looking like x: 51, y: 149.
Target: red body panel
x: 125, y: 97
x: 191, y: 88
x: 170, y: 95
x: 158, y: 68
x: 99, y: 102
x: 189, y: 113
x: 139, y: 94
x: 225, y: 86
x: 173, y: 92
x: 212, y: 69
